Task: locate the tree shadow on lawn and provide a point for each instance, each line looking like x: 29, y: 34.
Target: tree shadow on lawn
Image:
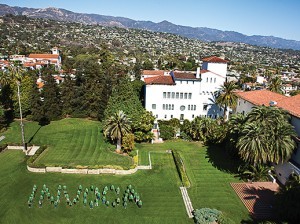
x: 220, y: 159
x: 32, y: 137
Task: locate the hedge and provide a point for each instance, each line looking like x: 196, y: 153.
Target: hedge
x: 180, y: 169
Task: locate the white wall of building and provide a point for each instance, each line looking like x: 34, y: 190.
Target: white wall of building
x: 219, y: 68
x: 194, y: 98
x: 243, y: 106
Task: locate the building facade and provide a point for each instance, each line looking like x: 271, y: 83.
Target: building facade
x: 185, y: 95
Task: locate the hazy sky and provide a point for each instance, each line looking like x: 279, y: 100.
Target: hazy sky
x: 280, y: 18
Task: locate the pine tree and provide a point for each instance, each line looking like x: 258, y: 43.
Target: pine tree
x: 35, y: 102
x: 67, y: 96
x: 51, y: 106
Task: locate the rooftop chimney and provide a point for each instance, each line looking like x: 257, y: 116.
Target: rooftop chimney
x: 273, y: 103
x: 198, y: 73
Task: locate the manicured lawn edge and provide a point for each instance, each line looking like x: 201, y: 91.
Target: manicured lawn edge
x: 98, y: 169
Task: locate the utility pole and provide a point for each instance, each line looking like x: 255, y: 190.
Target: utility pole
x: 21, y: 117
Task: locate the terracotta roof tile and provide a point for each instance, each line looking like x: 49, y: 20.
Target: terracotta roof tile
x: 204, y: 71
x: 184, y: 75
x: 291, y: 104
x: 214, y: 59
x: 263, y: 97
x: 260, y: 97
x: 153, y: 72
x: 159, y: 80
x: 44, y: 56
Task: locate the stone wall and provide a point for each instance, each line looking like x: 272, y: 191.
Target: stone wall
x: 77, y: 171
x: 36, y: 170
x: 15, y: 147
x: 89, y: 171
x: 86, y: 171
x: 53, y: 169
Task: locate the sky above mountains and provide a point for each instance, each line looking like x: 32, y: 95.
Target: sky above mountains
x: 280, y: 18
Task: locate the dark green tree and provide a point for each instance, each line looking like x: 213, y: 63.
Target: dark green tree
x: 35, y: 102
x: 124, y: 97
x: 287, y: 200
x: 68, y: 96
x: 25, y: 91
x: 52, y: 106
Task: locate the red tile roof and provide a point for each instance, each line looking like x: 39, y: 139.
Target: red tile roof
x: 184, y: 75
x: 260, y: 97
x: 153, y: 72
x: 291, y: 104
x: 214, y: 59
x: 263, y: 97
x: 44, y: 56
x: 204, y: 71
x: 159, y: 80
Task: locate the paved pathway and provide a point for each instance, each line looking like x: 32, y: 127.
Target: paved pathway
x: 257, y: 197
x: 32, y: 150
x: 187, y: 202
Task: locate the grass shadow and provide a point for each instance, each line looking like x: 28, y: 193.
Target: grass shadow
x: 31, y: 138
x: 221, y: 159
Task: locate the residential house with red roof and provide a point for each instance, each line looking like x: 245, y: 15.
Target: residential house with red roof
x: 182, y: 94
x: 39, y: 60
x: 247, y: 100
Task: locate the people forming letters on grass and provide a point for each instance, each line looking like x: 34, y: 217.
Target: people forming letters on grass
x: 109, y: 197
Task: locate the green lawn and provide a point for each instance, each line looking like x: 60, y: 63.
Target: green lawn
x: 210, y: 171
x: 159, y: 190
x: 78, y: 141
x: 71, y: 142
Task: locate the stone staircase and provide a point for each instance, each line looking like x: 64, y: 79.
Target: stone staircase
x: 187, y: 202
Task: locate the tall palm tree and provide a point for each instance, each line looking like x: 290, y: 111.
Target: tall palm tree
x: 267, y: 115
x: 116, y: 127
x: 282, y: 144
x: 252, y: 144
x: 226, y: 98
x: 276, y: 85
x: 266, y: 136
x: 15, y: 74
x: 234, y: 126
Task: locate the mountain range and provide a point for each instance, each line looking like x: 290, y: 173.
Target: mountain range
x: 201, y: 33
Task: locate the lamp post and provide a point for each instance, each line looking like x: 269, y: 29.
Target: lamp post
x: 21, y: 117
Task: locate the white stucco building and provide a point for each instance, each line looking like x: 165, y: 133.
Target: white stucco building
x: 185, y: 95
x: 247, y: 100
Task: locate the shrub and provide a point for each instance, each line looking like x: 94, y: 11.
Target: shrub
x: 180, y: 169
x: 132, y: 153
x: 206, y: 215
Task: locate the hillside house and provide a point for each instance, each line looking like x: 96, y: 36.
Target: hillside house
x: 38, y: 60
